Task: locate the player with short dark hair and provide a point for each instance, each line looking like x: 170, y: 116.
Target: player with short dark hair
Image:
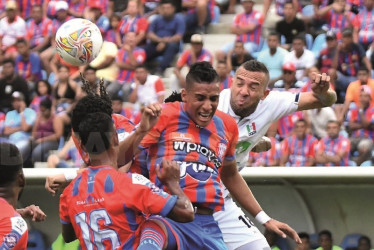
x: 13, y: 228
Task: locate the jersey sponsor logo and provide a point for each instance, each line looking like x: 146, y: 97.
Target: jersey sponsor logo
x: 242, y: 147
x: 181, y: 136
x: 18, y: 224
x: 251, y: 128
x: 196, y: 170
x: 90, y: 201
x: 11, y: 240
x: 189, y: 147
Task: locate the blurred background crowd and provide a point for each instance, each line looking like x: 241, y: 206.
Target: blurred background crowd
x: 148, y: 48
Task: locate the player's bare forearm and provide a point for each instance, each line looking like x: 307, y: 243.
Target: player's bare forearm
x: 128, y: 147
x: 68, y: 233
x: 239, y: 189
x: 183, y: 210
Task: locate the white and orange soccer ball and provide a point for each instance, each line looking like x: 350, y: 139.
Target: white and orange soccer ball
x: 78, y: 41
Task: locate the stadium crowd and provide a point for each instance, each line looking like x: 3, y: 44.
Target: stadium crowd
x: 142, y: 39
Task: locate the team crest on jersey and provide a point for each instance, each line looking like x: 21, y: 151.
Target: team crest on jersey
x: 221, y: 149
x: 181, y: 136
x: 10, y: 240
x: 251, y: 128
x: 196, y: 170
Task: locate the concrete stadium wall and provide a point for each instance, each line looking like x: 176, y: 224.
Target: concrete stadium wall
x: 308, y: 199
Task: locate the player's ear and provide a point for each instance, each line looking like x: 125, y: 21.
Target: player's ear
x: 115, y: 140
x: 266, y: 92
x: 21, y: 179
x: 184, y: 94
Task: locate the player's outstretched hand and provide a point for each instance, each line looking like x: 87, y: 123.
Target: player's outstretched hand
x: 54, y: 182
x: 170, y: 172
x: 32, y: 212
x: 150, y: 116
x: 282, y: 229
x: 320, y: 83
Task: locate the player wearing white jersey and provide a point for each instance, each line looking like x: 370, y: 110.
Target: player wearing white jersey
x: 254, y: 108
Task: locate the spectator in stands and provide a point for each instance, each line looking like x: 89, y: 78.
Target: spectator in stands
x: 112, y: 34
x: 354, y: 90
x: 38, y: 29
x: 43, y: 90
x: 364, y: 243
x: 46, y: 132
x: 62, y: 16
x: 338, y: 16
x: 67, y: 157
x: 128, y: 58
x: 236, y: 57
x: 90, y: 77
x: 271, y: 238
x: 361, y: 125
x: 224, y: 75
x: 300, y: 56
x: 268, y: 158
x: 279, y: 7
x: 326, y: 241
x: 12, y: 27
x: 77, y: 8
x: 347, y: 61
x: 326, y: 56
x: 28, y: 64
x: 247, y: 27
x: 64, y: 91
x: 198, y: 14
x: 165, y: 34
x: 56, y: 62
x: 318, y: 119
x: 284, y: 127
x: 147, y: 89
x: 105, y: 62
x: 118, y: 108
x: 133, y: 22
x: 305, y: 242
x: 18, y: 124
x: 299, y: 149
x: 364, y: 25
x: 116, y: 7
x: 290, y: 26
x: 273, y: 57
x: 288, y: 81
x: 334, y: 149
x: 9, y: 83
x: 96, y: 16
x: 197, y: 53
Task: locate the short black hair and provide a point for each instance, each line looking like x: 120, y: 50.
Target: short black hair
x: 174, y: 97
x: 363, y: 68
x: 255, y: 66
x: 21, y: 40
x: 117, y: 98
x: 300, y: 36
x: 90, y: 68
x: 46, y: 103
x: 201, y: 72
x: 333, y: 121
x: 302, y: 120
x: 303, y: 235
x: 325, y: 232
x: 365, y: 238
x: 167, y: 2
x: 9, y: 60
x: 49, y: 87
x: 273, y: 33
x: 11, y: 163
x: 95, y: 132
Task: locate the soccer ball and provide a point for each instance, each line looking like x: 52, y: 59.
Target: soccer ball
x: 78, y: 41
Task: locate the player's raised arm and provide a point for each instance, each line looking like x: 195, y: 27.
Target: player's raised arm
x: 129, y: 147
x: 241, y: 192
x: 320, y: 96
x: 169, y: 175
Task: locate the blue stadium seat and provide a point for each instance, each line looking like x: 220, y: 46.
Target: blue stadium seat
x: 366, y: 164
x: 308, y: 10
x: 350, y: 241
x: 319, y: 44
x: 352, y: 164
x: 35, y: 240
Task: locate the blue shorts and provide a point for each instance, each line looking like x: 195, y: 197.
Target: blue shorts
x: 202, y: 233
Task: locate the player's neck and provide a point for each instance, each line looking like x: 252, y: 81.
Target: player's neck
x: 105, y: 158
x: 8, y: 194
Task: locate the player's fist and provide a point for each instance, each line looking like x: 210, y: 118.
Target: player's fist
x: 169, y: 173
x: 320, y: 83
x: 263, y: 145
x: 150, y: 116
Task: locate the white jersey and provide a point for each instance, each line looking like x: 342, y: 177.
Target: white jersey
x: 254, y: 126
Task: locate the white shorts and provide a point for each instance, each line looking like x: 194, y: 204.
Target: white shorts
x: 236, y: 227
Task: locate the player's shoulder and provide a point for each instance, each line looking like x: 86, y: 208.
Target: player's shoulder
x: 171, y: 109
x: 6, y: 209
x: 228, y: 120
